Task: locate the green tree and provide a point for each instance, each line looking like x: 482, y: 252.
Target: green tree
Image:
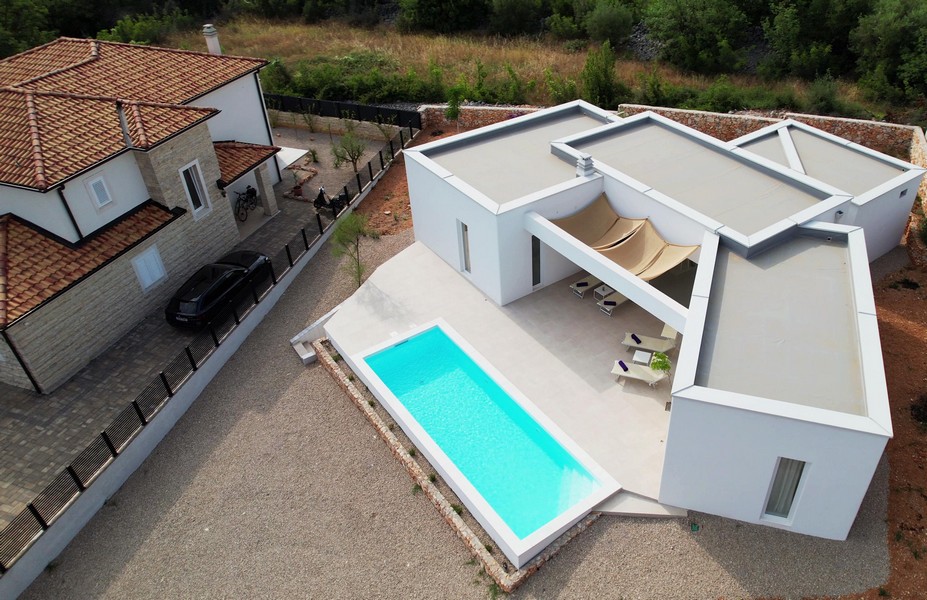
x: 513, y: 17
x: 706, y: 36
x: 346, y: 241
x: 892, y: 47
x: 610, y: 20
x: 600, y: 85
x: 22, y: 25
x: 442, y: 17
x: 562, y: 89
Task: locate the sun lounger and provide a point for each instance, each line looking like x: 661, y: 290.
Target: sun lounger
x: 589, y: 282
x: 632, y: 371
x: 608, y: 303
x: 645, y: 342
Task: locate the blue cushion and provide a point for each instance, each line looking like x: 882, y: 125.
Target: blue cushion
x: 623, y: 366
x: 636, y: 339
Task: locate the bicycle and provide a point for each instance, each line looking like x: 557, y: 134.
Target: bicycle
x: 247, y: 201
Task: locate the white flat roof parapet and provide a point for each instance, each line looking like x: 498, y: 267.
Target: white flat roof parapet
x: 783, y: 325
x: 700, y: 172
x: 510, y: 160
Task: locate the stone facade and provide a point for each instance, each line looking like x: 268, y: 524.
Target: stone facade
x: 60, y: 337
x: 11, y: 371
x: 719, y: 125
x: 471, y: 116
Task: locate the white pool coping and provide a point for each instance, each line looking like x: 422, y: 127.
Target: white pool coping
x: 518, y: 550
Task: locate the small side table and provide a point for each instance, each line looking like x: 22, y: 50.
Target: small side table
x: 602, y: 291
x: 641, y: 357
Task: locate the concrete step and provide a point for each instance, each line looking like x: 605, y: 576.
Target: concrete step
x: 633, y: 505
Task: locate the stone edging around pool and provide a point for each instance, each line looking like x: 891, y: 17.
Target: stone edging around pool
x: 507, y: 581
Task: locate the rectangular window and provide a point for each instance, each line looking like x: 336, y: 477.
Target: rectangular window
x: 195, y: 188
x: 148, y: 268
x: 99, y: 192
x: 535, y: 261
x: 464, y: 246
x: 784, y: 487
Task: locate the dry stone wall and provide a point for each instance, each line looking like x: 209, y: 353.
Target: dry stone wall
x: 471, y: 117
x: 723, y: 126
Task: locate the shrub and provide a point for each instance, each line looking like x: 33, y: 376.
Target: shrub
x: 822, y: 96
x: 564, y: 27
x: 699, y: 35
x: 513, y: 17
x: 149, y: 28
x: 441, y: 17
x: 276, y: 78
x: 610, y: 21
x: 890, y: 43
x: 561, y: 89
x: 600, y: 86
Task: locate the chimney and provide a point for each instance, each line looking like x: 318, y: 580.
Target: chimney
x: 584, y: 166
x: 212, y: 39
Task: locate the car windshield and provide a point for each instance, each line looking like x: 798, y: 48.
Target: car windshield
x: 187, y: 307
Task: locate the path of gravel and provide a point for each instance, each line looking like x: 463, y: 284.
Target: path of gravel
x: 274, y: 486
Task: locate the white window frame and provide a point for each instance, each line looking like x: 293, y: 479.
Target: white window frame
x: 786, y: 520
x: 94, y: 197
x: 149, y: 268
x: 202, y: 191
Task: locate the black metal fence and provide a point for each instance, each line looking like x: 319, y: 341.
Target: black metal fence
x: 48, y: 506
x: 344, y: 110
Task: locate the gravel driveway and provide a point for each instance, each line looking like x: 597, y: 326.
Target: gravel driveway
x: 274, y: 486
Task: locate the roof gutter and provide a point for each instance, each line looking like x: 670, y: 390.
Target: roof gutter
x: 67, y: 208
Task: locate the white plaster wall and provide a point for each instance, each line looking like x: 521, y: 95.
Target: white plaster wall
x: 674, y: 227
x: 884, y: 219
x: 126, y: 187
x: 242, y: 112
x: 436, y: 208
x: 45, y: 210
x: 515, y: 241
x: 721, y: 460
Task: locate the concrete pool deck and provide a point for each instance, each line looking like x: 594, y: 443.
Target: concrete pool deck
x: 555, y: 348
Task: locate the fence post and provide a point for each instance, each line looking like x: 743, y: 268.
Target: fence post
x: 359, y: 186
x: 347, y: 198
x: 254, y: 293
x: 402, y: 141
x: 305, y: 239
x: 80, y: 484
x: 109, y: 444
x: 138, y: 411
x: 318, y: 219
x: 212, y: 330
x: 380, y: 154
x: 411, y: 133
x: 289, y: 257
x: 190, y: 357
x: 370, y: 170
x: 38, y: 517
x: 167, y: 386
x: 392, y: 153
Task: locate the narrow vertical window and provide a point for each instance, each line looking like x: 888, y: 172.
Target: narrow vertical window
x: 535, y: 261
x: 193, y: 185
x: 464, y: 246
x: 784, y: 487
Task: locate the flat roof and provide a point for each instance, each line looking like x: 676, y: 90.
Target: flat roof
x: 837, y: 164
x: 742, y: 195
x: 507, y: 164
x: 789, y: 329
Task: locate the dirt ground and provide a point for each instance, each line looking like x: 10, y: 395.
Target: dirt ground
x: 901, y: 299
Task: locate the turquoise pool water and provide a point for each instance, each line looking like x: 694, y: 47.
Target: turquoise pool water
x: 520, y: 470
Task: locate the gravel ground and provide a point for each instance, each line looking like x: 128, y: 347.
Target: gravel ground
x: 274, y: 486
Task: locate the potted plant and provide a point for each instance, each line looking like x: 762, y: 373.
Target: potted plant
x: 660, y: 362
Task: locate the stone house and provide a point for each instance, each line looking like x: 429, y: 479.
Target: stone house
x: 117, y: 165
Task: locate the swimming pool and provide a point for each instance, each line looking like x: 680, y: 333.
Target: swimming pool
x: 521, y: 477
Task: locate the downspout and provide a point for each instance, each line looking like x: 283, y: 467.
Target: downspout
x: 270, y: 132
x: 67, y: 207
x: 22, y: 363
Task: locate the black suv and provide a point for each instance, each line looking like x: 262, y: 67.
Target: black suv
x: 213, y: 286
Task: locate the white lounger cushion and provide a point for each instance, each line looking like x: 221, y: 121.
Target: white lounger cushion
x: 649, y: 376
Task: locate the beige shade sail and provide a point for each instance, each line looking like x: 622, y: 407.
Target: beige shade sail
x: 671, y: 256
x: 591, y: 223
x: 638, y: 251
x: 617, y: 233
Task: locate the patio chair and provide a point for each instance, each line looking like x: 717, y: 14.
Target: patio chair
x: 633, y: 371
x: 636, y: 341
x: 608, y: 303
x: 589, y: 282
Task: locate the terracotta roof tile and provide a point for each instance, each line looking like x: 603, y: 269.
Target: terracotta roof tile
x: 144, y: 73
x: 237, y: 158
x: 38, y: 152
x: 34, y: 267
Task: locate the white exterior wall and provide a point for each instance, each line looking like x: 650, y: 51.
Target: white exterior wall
x: 884, y: 218
x: 721, y: 460
x: 45, y: 210
x: 126, y: 188
x: 515, y: 240
x: 438, y: 206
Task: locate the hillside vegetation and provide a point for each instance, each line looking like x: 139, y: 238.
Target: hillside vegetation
x: 865, y: 58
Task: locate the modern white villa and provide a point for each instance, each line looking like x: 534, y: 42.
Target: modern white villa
x: 746, y: 261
